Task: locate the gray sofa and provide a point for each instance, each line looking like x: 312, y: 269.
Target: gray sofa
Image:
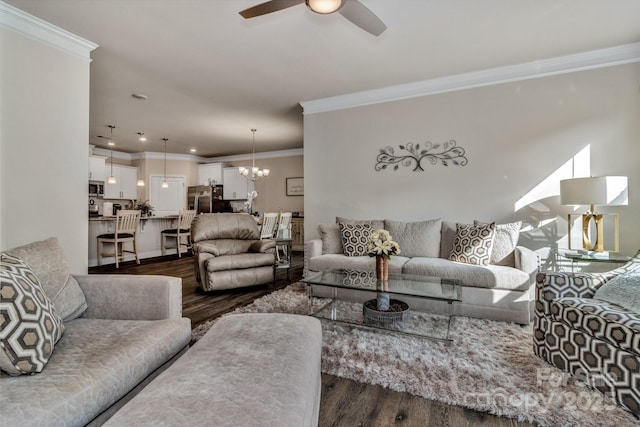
x: 502, y: 290
x: 256, y: 369
x: 228, y: 252
x: 119, y: 331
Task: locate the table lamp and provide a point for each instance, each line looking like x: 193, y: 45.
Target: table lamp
x: 592, y: 191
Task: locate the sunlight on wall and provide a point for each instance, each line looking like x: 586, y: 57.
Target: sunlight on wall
x: 544, y: 229
x: 576, y: 167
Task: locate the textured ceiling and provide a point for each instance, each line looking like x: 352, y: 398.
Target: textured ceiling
x: 211, y: 76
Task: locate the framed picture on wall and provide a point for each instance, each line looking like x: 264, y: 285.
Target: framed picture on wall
x: 295, y: 186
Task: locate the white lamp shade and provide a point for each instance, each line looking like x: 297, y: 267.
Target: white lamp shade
x: 600, y: 190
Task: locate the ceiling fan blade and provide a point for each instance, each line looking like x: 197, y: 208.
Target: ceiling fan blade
x: 360, y: 15
x: 268, y: 7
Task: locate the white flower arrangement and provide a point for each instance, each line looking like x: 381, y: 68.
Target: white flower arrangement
x: 381, y: 244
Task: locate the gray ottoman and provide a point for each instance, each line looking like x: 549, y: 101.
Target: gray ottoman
x: 248, y: 370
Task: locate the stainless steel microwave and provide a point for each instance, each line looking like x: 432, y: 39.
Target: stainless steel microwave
x: 96, y: 188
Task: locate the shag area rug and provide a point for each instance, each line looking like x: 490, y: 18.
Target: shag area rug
x: 489, y: 367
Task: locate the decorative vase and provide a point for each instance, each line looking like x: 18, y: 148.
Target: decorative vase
x: 382, y: 268
x: 382, y: 276
x: 382, y: 301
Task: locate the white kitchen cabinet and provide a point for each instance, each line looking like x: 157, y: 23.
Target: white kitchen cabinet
x: 210, y: 174
x: 96, y: 168
x: 236, y: 186
x: 125, y: 186
x: 129, y: 180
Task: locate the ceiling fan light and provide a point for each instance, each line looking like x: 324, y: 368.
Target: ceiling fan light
x: 324, y: 6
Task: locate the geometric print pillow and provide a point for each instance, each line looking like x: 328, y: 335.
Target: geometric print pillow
x: 504, y: 244
x: 355, y: 238
x: 29, y: 324
x: 472, y: 243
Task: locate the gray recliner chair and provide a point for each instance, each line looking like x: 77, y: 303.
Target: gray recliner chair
x: 228, y: 252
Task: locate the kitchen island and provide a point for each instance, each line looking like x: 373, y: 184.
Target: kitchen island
x: 147, y: 237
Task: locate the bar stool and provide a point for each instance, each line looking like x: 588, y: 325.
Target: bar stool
x: 125, y: 232
x: 184, y: 230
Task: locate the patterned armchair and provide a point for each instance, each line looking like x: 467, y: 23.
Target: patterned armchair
x: 596, y: 341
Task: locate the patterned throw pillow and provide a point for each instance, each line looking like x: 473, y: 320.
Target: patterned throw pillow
x: 30, y: 325
x: 504, y: 244
x: 473, y: 243
x: 355, y: 238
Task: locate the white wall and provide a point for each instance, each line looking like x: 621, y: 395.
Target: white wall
x: 44, y: 163
x: 272, y: 195
x: 520, y: 140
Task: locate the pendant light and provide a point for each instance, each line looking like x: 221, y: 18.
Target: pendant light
x: 253, y: 173
x: 141, y: 138
x: 112, y: 178
x: 165, y: 184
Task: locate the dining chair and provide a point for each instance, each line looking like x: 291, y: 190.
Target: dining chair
x: 283, y: 231
x: 269, y: 223
x: 183, y: 230
x: 126, y: 226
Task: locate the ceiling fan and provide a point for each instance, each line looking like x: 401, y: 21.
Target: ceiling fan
x: 353, y: 10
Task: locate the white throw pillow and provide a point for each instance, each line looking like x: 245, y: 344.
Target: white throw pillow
x: 331, y: 239
x: 622, y: 290
x: 48, y: 262
x: 504, y: 243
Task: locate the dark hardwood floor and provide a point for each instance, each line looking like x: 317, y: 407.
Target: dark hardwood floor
x: 344, y: 403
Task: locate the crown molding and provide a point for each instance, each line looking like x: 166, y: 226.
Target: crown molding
x: 151, y: 155
x: 157, y: 155
x: 264, y: 155
x: 618, y: 55
x: 42, y: 31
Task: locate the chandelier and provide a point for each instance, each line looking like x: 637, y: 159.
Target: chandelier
x: 253, y: 173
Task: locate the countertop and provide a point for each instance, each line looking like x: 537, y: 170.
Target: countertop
x: 111, y: 218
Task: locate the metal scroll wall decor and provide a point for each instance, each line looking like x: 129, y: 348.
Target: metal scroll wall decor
x: 412, y: 155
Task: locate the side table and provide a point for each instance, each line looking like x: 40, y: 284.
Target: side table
x: 576, y: 256
x: 284, y: 261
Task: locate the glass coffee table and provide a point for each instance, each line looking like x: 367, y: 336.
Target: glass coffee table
x: 416, y: 323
